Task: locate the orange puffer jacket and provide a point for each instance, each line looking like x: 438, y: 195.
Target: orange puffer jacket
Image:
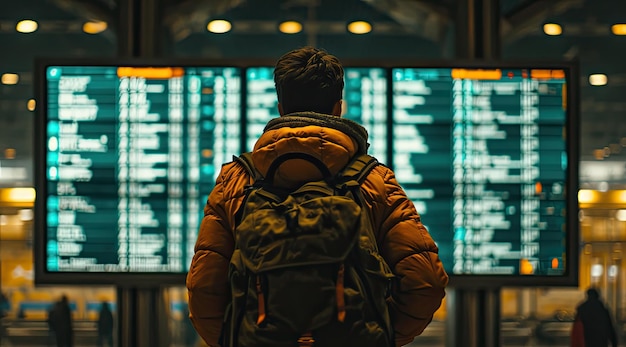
x: 403, y: 241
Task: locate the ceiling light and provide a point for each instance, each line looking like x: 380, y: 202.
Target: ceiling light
x: 598, y: 79
x: 359, y: 27
x: 9, y: 153
x: 18, y: 194
x: 94, y: 27
x: 26, y: 215
x: 290, y: 27
x: 31, y: 104
x: 618, y: 29
x: 597, y: 270
x: 552, y: 29
x: 586, y: 196
x: 598, y: 154
x: 10, y: 78
x: 603, y: 186
x: 26, y: 26
x: 615, y: 148
x: 219, y: 26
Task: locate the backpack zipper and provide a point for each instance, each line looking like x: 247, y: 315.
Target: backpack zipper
x: 261, y: 301
x: 339, y: 292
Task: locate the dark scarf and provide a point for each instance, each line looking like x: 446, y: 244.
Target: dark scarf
x: 301, y: 119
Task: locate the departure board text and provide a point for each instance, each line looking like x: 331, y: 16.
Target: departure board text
x: 132, y: 154
x: 483, y: 156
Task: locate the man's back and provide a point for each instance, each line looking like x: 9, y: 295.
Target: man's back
x: 309, y: 85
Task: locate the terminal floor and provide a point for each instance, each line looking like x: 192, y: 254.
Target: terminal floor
x: 4, y: 343
x: 417, y: 343
x: 36, y: 334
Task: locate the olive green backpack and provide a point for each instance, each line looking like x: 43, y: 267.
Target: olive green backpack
x: 306, y: 269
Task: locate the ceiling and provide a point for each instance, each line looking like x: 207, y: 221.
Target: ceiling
x: 406, y: 29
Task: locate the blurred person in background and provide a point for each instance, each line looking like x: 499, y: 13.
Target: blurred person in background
x: 5, y: 306
x: 593, y: 324
x: 105, y: 325
x: 60, y: 322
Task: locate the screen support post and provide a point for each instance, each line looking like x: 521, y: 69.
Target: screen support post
x: 142, y: 311
x: 473, y: 317
x: 473, y: 314
x: 142, y: 317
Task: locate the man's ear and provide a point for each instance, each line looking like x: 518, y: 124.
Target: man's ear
x: 337, y: 108
x: 280, y: 109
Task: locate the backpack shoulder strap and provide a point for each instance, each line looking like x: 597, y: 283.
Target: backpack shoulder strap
x: 359, y: 168
x: 245, y: 160
x: 356, y: 170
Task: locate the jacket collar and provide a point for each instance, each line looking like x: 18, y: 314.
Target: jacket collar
x: 349, y: 127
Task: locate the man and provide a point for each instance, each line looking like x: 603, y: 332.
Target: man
x: 60, y: 322
x: 309, y: 85
x: 5, y: 306
x: 596, y: 321
x: 105, y: 325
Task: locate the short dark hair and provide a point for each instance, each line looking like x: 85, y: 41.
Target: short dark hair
x: 593, y: 293
x: 308, y: 80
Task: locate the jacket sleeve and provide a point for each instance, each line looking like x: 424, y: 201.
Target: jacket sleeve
x: 411, y: 253
x: 207, y: 280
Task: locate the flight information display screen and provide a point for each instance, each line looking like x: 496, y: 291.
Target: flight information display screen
x: 483, y: 154
x: 261, y: 102
x: 126, y: 155
x: 131, y: 154
x: 364, y: 101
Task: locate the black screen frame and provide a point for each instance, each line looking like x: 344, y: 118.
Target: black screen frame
x: 150, y: 279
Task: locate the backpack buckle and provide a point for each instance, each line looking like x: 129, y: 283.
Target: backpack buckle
x: 306, y: 340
